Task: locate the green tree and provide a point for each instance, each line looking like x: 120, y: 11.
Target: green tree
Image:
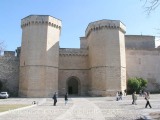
x: 136, y: 84
x: 143, y: 83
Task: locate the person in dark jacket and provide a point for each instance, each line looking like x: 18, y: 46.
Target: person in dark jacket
x: 120, y: 95
x: 55, y: 98
x: 66, y: 98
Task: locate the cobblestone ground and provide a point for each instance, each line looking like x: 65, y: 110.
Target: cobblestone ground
x: 83, y: 108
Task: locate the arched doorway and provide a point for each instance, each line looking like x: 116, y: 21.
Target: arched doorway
x: 73, y: 86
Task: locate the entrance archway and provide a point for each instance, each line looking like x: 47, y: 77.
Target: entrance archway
x: 73, y: 86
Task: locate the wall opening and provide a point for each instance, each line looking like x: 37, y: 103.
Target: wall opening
x: 73, y: 86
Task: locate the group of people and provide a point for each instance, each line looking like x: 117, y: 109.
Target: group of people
x: 55, y: 98
x: 146, y: 97
x: 119, y: 95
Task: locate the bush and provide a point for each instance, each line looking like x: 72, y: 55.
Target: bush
x: 136, y: 84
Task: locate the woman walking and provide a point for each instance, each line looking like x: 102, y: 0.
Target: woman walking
x: 147, y: 97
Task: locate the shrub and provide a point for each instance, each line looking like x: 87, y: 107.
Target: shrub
x: 136, y: 84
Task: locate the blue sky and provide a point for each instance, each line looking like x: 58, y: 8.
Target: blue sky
x: 75, y: 16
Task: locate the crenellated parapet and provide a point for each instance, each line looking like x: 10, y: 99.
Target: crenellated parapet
x: 73, y: 52
x: 41, y: 20
x: 105, y: 24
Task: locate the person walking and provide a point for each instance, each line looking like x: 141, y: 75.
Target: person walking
x: 125, y: 92
x: 140, y: 93
x: 147, y: 97
x: 120, y: 95
x: 117, y: 95
x: 66, y: 98
x: 134, y: 97
x: 55, y: 98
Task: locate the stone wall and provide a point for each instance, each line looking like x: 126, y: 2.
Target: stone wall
x: 145, y: 64
x: 139, y: 41
x: 39, y: 57
x: 83, y: 43
x: 9, y: 73
x: 73, y: 63
x: 106, y: 46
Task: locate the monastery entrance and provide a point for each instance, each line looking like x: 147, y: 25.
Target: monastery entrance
x: 73, y: 86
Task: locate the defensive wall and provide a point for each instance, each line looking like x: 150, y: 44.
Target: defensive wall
x: 144, y: 64
x: 73, y: 63
x: 9, y: 72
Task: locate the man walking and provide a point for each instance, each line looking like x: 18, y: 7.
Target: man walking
x: 55, y: 98
x: 66, y: 98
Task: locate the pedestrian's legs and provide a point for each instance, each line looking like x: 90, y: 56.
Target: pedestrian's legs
x: 120, y: 98
x: 117, y: 98
x: 133, y: 101
x: 66, y: 102
x: 55, y: 101
x: 147, y: 104
x: 150, y: 105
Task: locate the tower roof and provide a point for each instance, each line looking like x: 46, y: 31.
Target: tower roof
x: 40, y: 15
x: 105, y: 23
x: 37, y: 19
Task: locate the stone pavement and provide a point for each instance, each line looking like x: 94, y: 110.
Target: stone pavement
x: 82, y: 108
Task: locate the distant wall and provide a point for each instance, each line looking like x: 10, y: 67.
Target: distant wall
x: 83, y: 42
x: 139, y: 42
x: 9, y: 72
x: 145, y: 64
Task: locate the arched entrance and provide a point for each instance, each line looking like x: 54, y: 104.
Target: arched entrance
x: 73, y: 86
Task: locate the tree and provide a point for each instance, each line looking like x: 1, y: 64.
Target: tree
x: 136, y: 84
x: 143, y: 83
x: 151, y: 5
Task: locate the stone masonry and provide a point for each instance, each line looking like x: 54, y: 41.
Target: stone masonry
x: 9, y: 72
x: 39, y: 56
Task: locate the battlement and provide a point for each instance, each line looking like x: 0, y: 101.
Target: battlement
x: 73, y: 51
x: 9, y: 53
x: 105, y: 24
x: 41, y: 19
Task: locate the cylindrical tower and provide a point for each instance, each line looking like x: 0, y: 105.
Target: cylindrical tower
x: 39, y: 56
x: 106, y: 45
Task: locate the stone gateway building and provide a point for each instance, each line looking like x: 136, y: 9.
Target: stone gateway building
x: 100, y: 67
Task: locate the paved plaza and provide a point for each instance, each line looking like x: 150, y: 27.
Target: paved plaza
x: 82, y: 108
